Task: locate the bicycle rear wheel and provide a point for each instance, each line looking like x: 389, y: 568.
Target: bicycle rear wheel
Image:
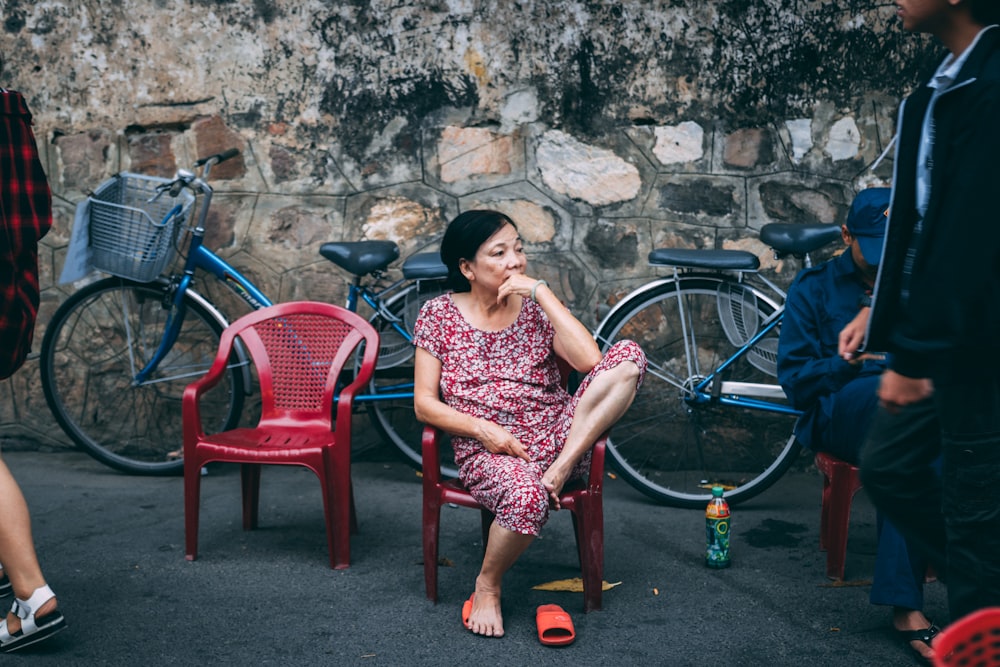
x: 93, y: 347
x: 394, y: 417
x: 672, y: 447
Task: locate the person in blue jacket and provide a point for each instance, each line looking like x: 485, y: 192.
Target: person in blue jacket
x: 839, y: 397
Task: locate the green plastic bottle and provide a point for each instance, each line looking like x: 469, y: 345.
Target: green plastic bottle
x: 717, y: 530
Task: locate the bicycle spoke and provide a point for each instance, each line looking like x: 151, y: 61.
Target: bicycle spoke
x: 90, y: 350
x: 673, y: 442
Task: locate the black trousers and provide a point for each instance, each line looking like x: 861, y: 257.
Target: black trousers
x: 955, y: 519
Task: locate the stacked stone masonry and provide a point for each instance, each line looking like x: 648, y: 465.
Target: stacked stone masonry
x: 604, y: 129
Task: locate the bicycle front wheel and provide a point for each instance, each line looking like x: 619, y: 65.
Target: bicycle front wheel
x: 96, y: 343
x: 392, y: 386
x: 673, y: 444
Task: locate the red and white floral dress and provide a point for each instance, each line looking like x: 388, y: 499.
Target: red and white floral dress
x: 509, y: 377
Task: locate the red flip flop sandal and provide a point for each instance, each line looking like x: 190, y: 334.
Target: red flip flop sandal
x: 555, y: 627
x: 467, y: 611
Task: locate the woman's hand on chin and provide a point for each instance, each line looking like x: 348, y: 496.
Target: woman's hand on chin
x: 517, y: 283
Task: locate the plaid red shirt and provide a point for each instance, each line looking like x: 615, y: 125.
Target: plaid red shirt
x: 25, y: 217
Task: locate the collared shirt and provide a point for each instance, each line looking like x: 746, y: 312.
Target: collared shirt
x: 945, y: 75
x: 942, y: 80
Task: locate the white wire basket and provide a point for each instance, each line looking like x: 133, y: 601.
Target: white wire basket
x: 130, y: 235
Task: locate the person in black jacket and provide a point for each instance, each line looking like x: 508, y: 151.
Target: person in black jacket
x: 936, y: 309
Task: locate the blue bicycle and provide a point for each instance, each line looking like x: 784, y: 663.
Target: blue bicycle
x: 118, y: 353
x: 710, y: 411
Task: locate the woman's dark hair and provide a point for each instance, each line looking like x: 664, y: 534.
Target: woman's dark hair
x: 462, y: 239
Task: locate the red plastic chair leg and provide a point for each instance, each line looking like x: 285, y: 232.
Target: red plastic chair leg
x: 589, y: 525
x: 840, y: 483
x: 192, y: 501
x: 431, y: 530
x: 338, y: 508
x: 250, y: 483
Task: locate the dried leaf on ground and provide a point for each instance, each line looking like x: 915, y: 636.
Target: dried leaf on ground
x: 574, y: 585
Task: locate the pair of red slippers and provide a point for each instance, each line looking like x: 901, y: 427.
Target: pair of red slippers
x: 555, y: 627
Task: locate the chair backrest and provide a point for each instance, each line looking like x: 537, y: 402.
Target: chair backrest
x: 300, y: 350
x: 971, y: 640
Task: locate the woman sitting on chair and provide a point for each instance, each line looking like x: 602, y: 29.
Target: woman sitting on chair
x: 486, y: 373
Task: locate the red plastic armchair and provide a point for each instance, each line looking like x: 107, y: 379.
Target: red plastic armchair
x: 584, y: 500
x: 299, y: 350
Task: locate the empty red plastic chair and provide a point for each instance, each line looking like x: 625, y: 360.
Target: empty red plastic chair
x: 583, y: 498
x: 840, y: 483
x: 971, y: 641
x: 301, y: 352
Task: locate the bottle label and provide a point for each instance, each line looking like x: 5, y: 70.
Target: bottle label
x: 718, y: 511
x: 717, y: 538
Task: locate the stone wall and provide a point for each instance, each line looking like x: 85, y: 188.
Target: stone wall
x: 604, y: 129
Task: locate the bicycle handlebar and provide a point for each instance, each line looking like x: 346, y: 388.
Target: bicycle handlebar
x: 218, y: 157
x: 189, y: 179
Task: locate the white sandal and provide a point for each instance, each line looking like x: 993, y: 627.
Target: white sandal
x: 32, y: 629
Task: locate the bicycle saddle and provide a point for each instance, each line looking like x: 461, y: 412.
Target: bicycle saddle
x: 425, y: 266
x: 717, y: 260
x: 789, y: 238
x: 361, y: 257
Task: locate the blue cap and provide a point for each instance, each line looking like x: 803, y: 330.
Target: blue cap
x: 866, y: 221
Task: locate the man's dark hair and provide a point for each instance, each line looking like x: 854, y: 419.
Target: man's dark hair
x: 462, y: 239
x: 984, y: 12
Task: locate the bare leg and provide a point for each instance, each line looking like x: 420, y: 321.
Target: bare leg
x: 502, y: 550
x: 603, y: 403
x: 17, y: 550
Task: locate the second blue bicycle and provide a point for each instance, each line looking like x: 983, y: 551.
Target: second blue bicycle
x: 118, y: 353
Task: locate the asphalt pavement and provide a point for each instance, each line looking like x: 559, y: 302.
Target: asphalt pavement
x: 112, y: 547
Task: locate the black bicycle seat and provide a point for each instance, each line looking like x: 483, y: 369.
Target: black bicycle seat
x: 425, y: 266
x: 790, y: 238
x: 716, y: 260
x: 361, y: 257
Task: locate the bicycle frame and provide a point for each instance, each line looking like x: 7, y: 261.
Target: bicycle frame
x: 201, y: 257
x: 376, y: 302
x: 713, y: 388
x: 743, y: 394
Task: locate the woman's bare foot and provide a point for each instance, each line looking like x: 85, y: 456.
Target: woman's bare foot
x: 913, y: 620
x: 486, y: 619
